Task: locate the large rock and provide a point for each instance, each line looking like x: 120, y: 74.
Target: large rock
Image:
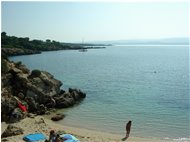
x: 75, y: 95
x: 6, y: 79
x: 43, y: 85
x: 57, y: 117
x: 9, y: 107
x: 12, y: 131
x: 78, y: 91
x: 22, y: 67
x: 41, y: 109
x: 69, y: 98
x: 49, y: 102
x: 8, y: 104
x: 62, y: 102
x: 39, y: 82
x: 32, y: 105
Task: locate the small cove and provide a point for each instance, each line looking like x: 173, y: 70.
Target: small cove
x: 148, y: 85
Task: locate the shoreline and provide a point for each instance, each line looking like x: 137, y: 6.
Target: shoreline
x: 44, y: 125
x: 83, y: 134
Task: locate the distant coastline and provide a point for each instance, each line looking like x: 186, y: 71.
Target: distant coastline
x: 164, y: 41
x: 16, y: 46
x: 151, y: 45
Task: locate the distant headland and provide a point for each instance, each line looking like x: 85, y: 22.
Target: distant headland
x: 13, y: 46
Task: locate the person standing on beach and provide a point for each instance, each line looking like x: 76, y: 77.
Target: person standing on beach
x: 128, y: 129
x: 52, y: 136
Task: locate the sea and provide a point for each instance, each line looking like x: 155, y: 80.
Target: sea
x: 147, y: 84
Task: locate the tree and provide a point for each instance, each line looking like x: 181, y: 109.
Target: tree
x: 3, y: 34
x: 48, y: 40
x: 4, y: 38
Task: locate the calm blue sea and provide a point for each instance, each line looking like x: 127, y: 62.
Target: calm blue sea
x: 146, y: 84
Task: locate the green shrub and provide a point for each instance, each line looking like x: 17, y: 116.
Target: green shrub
x: 18, y: 63
x: 7, y: 46
x: 35, y: 73
x: 4, y: 56
x: 4, y: 66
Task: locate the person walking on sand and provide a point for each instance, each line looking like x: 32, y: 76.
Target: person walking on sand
x: 128, y: 129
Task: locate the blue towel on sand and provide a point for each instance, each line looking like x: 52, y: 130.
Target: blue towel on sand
x: 70, y: 141
x: 34, y: 137
x: 69, y: 138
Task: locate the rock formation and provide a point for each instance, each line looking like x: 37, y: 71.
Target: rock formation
x: 36, y: 91
x: 18, y: 51
x: 12, y: 131
x: 57, y: 117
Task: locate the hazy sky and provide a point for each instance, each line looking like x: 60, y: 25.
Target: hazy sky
x: 74, y: 21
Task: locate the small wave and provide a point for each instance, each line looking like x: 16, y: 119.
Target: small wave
x: 178, y: 139
x: 182, y: 140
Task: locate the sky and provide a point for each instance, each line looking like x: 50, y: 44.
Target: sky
x: 94, y: 21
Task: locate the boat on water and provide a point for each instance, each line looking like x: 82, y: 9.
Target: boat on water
x: 83, y: 50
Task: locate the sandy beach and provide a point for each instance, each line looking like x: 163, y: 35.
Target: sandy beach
x: 44, y: 125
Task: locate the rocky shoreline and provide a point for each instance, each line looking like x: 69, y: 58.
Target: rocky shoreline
x: 26, y: 92
x: 18, y: 51
x: 22, y: 51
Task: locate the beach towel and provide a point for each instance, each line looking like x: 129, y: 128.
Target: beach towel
x: 22, y: 107
x: 70, y: 141
x: 34, y: 137
x: 69, y: 138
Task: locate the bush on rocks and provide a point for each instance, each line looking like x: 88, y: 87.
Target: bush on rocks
x: 4, y: 66
x: 35, y: 73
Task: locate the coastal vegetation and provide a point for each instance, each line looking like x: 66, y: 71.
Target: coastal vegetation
x: 12, y: 45
x: 36, y: 45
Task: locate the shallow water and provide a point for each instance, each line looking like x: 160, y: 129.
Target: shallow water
x: 148, y: 85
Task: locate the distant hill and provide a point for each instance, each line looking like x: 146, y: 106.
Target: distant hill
x: 166, y: 41
x: 36, y: 44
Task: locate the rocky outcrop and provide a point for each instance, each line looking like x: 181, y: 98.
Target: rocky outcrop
x: 18, y: 51
x: 36, y: 91
x: 12, y: 131
x: 57, y: 117
x: 67, y: 99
